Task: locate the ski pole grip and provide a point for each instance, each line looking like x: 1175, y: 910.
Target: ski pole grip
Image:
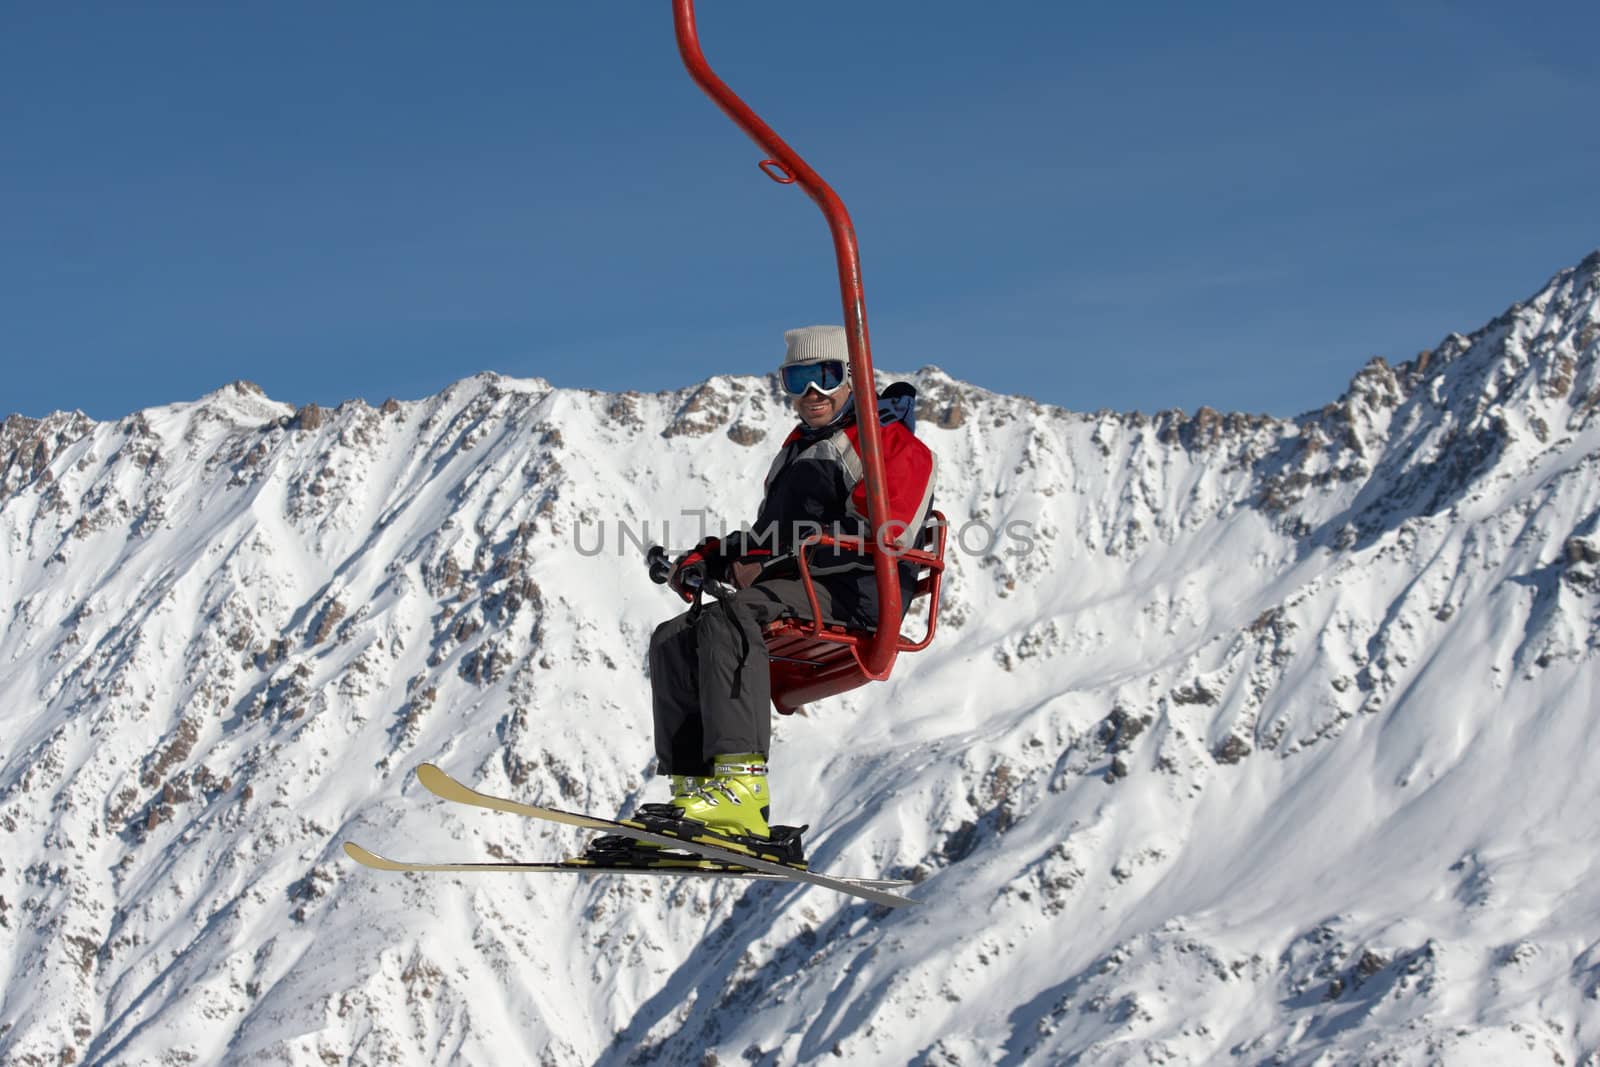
x: 660, y: 565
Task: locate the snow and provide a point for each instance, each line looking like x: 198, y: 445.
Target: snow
x: 1274, y: 748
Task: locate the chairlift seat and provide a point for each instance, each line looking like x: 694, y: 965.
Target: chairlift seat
x: 811, y: 660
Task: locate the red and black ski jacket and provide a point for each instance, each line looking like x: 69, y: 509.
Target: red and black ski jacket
x: 816, y: 483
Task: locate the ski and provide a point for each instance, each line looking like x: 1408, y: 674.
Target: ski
x: 368, y: 858
x: 702, y: 868
x: 442, y: 785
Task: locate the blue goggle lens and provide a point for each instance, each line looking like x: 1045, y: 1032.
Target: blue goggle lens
x: 827, y: 376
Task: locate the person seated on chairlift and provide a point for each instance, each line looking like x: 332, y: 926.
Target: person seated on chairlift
x: 710, y: 686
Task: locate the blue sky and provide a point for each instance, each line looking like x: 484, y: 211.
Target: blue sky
x: 1150, y: 206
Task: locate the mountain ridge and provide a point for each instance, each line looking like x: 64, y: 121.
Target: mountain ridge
x: 1230, y: 763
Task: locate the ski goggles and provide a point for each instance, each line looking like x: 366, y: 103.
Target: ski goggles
x: 825, y: 376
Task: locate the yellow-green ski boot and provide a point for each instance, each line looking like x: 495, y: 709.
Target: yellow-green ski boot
x: 684, y: 784
x: 734, y: 801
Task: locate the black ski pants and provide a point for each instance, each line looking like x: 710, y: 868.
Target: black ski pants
x: 709, y: 680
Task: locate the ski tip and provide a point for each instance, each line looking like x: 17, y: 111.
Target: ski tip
x: 433, y: 779
x: 365, y: 857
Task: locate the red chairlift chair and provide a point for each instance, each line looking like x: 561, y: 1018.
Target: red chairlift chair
x: 812, y: 659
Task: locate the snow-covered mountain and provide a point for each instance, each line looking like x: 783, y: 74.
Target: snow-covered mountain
x: 1244, y: 739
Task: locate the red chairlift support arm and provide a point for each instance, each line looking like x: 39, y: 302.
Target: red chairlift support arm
x: 878, y: 656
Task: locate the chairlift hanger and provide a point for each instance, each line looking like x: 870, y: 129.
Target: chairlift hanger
x: 811, y: 659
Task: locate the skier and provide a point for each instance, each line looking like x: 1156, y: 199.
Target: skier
x: 708, y: 666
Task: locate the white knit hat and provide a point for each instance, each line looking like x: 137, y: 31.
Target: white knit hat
x: 813, y: 344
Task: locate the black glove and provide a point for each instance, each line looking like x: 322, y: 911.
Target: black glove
x: 695, y: 567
